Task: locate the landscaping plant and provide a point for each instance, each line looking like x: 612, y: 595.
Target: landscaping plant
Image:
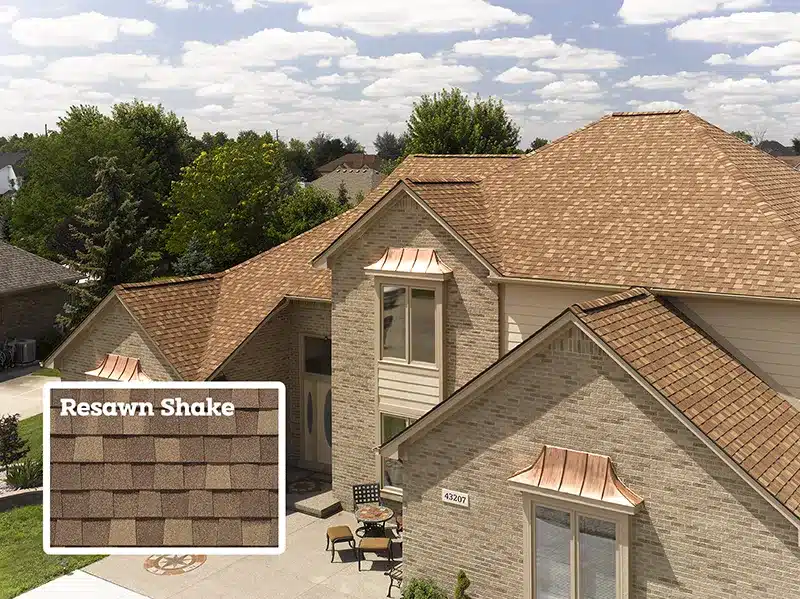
x: 423, y: 589
x: 462, y: 584
x: 28, y: 474
x: 12, y: 446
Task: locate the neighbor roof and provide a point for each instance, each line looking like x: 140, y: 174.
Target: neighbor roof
x: 197, y: 322
x: 23, y: 271
x: 12, y: 158
x: 722, y: 401
x: 372, y: 161
x: 793, y: 161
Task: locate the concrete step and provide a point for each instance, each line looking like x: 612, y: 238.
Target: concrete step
x: 319, y: 506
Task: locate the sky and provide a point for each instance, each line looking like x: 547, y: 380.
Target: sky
x: 355, y: 67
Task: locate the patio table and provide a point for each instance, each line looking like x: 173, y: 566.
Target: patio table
x: 372, y: 517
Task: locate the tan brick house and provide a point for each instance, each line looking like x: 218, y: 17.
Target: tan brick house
x: 454, y: 261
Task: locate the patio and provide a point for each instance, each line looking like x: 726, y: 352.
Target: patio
x: 303, y: 571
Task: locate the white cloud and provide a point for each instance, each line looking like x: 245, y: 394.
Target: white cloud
x: 741, y: 28
x: 657, y: 106
x: 583, y: 89
x: 324, y: 63
x: 548, y: 54
x: 17, y: 61
x: 792, y: 70
x: 171, y: 4
x: 648, y: 12
x: 410, y: 60
x: 517, y: 75
x: 382, y: 18
x: 568, y: 111
x: 429, y: 78
x: 100, y: 68
x: 243, y: 5
x: 88, y: 29
x: 748, y: 90
x: 8, y: 14
x: 765, y: 56
x: 680, y: 80
x: 336, y: 79
x: 719, y: 59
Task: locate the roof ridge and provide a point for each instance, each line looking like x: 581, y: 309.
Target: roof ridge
x: 443, y: 156
x: 168, y: 281
x: 631, y: 113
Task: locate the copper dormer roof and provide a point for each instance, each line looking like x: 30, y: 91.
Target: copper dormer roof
x: 576, y: 474
x: 411, y: 261
x: 119, y: 368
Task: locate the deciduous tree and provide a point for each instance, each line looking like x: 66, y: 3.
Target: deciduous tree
x: 390, y: 146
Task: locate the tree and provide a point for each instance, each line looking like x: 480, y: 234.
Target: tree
x: 12, y: 446
x: 323, y: 148
x: 796, y: 145
x: 194, y: 261
x: 447, y: 123
x: 755, y: 137
x: 537, y: 143
x: 228, y: 198
x: 306, y: 208
x: 299, y: 160
x: 351, y: 146
x: 390, y: 146
x: 462, y: 584
x: 114, y: 238
x: 343, y: 197
x: 744, y: 136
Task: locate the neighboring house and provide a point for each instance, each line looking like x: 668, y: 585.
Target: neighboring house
x: 352, y: 161
x: 357, y: 181
x: 793, y: 161
x: 603, y: 355
x: 30, y: 295
x: 11, y: 170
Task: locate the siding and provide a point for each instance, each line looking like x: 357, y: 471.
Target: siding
x: 527, y: 308
x: 766, y: 335
x: 703, y: 532
x: 407, y: 390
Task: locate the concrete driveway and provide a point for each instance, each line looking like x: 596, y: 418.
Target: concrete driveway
x: 23, y: 395
x: 303, y: 571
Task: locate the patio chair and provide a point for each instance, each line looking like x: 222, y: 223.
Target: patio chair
x: 395, y: 578
x: 374, y: 545
x: 368, y: 494
x: 338, y: 534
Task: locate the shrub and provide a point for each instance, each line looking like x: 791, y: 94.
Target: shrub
x: 423, y: 589
x: 25, y: 475
x: 462, y: 584
x: 12, y: 446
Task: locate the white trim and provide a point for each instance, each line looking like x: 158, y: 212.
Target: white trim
x: 557, y: 283
x: 321, y: 260
x: 426, y: 277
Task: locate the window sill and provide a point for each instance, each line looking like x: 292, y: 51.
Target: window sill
x: 392, y: 494
x: 410, y: 365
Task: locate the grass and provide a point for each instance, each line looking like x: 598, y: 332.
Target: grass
x: 23, y: 564
x: 47, y: 372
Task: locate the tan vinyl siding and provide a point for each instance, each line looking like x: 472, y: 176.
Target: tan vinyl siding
x: 409, y: 390
x: 527, y: 308
x: 766, y: 335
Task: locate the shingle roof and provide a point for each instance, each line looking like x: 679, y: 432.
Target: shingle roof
x: 793, y: 161
x: 372, y: 161
x: 21, y: 270
x: 756, y: 427
x: 222, y: 309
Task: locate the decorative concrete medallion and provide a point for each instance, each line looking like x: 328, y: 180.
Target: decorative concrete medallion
x: 305, y: 486
x: 171, y: 565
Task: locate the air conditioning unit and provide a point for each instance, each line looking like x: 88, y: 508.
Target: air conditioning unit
x: 25, y: 351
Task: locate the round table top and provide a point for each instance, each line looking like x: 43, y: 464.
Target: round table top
x: 374, y: 513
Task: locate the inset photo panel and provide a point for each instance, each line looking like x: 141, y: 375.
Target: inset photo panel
x: 141, y: 468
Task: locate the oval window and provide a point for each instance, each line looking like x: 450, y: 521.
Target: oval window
x: 328, y: 418
x: 309, y: 413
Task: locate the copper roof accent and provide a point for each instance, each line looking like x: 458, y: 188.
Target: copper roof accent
x: 410, y: 261
x: 577, y: 473
x: 119, y: 368
x: 740, y: 413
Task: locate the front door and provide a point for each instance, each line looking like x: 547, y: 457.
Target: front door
x: 316, y: 402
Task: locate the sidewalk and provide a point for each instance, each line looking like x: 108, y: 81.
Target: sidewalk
x: 80, y: 584
x: 23, y: 395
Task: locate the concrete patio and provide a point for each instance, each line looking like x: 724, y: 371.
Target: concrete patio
x: 303, y: 571
x: 23, y: 394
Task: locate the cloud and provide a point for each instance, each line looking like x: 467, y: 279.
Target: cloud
x: 517, y: 75
x: 583, y: 89
x: 765, y: 56
x: 748, y: 90
x: 649, y: 12
x: 324, y: 63
x: 680, y: 80
x: 171, y: 4
x: 336, y: 79
x: 17, y: 61
x: 741, y: 28
x: 792, y: 70
x: 568, y: 111
x: 8, y: 14
x: 383, y: 63
x: 100, y: 68
x: 88, y: 29
x: 243, y: 5
x: 657, y: 106
x: 429, y: 78
x: 547, y: 53
x: 381, y: 18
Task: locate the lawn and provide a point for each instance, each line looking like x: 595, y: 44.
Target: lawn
x: 47, y: 372
x: 23, y: 564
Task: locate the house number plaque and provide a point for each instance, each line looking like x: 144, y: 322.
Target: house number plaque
x: 455, y: 497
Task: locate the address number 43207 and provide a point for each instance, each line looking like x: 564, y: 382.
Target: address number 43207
x: 455, y: 497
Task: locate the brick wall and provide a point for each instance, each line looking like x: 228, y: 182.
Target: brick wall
x: 113, y: 330
x: 703, y: 533
x: 471, y: 331
x: 273, y: 353
x: 32, y: 315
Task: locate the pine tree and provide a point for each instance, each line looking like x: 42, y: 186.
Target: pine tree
x: 343, y: 197
x: 112, y: 234
x: 12, y: 446
x: 195, y: 260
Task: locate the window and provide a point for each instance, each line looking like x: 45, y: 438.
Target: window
x: 409, y: 324
x: 317, y: 355
x: 392, y: 468
x: 577, y: 555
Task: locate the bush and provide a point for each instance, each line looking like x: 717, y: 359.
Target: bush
x: 462, y: 584
x: 423, y: 589
x: 26, y: 475
x: 12, y: 446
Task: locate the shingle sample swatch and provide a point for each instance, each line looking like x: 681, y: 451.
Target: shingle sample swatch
x: 165, y: 481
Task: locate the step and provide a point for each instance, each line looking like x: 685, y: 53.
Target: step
x: 319, y: 506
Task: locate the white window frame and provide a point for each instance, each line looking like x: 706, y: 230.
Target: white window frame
x: 409, y: 285
x: 621, y: 517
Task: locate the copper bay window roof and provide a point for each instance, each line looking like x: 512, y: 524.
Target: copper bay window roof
x: 119, y: 368
x: 577, y: 475
x: 410, y: 261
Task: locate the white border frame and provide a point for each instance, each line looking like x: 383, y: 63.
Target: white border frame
x: 159, y: 550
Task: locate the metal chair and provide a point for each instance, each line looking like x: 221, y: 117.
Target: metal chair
x: 368, y: 494
x: 395, y: 578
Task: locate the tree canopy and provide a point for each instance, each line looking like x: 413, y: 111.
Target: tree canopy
x: 537, y: 143
x: 390, y: 146
x: 448, y: 123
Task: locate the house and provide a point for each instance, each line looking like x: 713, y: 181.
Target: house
x: 598, y: 358
x: 352, y: 161
x: 358, y: 182
x: 12, y: 170
x: 793, y: 161
x: 30, y: 295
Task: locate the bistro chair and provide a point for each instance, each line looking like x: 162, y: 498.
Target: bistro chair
x: 395, y: 578
x: 374, y: 545
x: 368, y: 494
x: 338, y: 534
